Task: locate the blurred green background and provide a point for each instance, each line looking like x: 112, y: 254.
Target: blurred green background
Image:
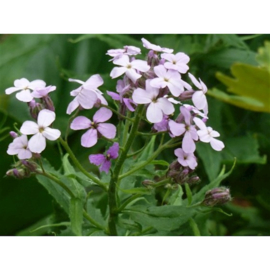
x: 236, y: 69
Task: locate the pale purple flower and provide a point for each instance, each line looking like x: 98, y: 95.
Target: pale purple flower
x: 25, y: 87
x: 154, y: 47
x: 19, y: 147
x: 157, y: 106
x: 186, y: 159
x: 41, y: 92
x: 176, y: 61
x: 207, y: 134
x: 195, y: 111
x: 129, y: 68
x: 40, y: 130
x: 189, y: 131
x: 118, y: 53
x: 104, y: 161
x: 199, y: 98
x: 95, y: 127
x: 122, y: 88
x: 87, y: 95
x: 169, y: 78
x: 162, y: 125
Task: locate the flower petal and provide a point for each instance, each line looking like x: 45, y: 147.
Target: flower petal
x: 72, y: 106
x: 97, y: 159
x: 29, y: 128
x: 133, y: 75
x: 80, y: 122
x: 117, y: 71
x: 217, y: 144
x: 105, y: 167
x: 107, y: 130
x: 45, y: 118
x: 122, y: 61
x: 140, y: 65
x: 102, y: 115
x: 11, y: 90
x: 37, y: 143
x: 154, y: 114
x: 51, y: 134
x: 199, y: 100
x: 165, y: 105
x: 195, y: 81
x: 89, y: 138
x: 188, y: 144
x: 160, y: 71
x: 93, y: 82
x: 113, y: 151
x: 21, y: 83
x: 24, y: 154
x: 140, y: 96
x: 176, y: 128
x: 24, y: 95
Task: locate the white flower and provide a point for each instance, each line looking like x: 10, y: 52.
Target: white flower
x: 157, y: 106
x: 154, y: 47
x: 40, y: 130
x: 129, y: 68
x: 24, y: 86
x: 176, y: 62
x: 207, y: 134
x: 199, y: 98
x: 19, y: 147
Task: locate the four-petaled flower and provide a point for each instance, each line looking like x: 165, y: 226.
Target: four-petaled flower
x: 207, y: 134
x: 19, y: 147
x: 104, y: 161
x: 170, y: 78
x: 40, y: 130
x: 25, y: 87
x: 95, y: 127
x: 186, y: 159
x: 129, y: 67
x: 118, y: 53
x: 87, y: 94
x: 176, y: 62
x: 157, y: 106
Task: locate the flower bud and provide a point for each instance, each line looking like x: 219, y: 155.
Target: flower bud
x: 35, y: 108
x: 30, y: 165
x: 148, y: 183
x: 48, y: 103
x: 18, y: 173
x: 219, y: 195
x: 13, y: 134
x: 186, y: 95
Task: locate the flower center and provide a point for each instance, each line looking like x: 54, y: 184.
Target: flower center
x: 108, y: 156
x: 166, y: 80
x: 41, y: 129
x: 129, y: 66
x: 94, y: 125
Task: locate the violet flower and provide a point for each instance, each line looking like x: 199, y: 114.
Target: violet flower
x: 176, y: 62
x: 95, y: 127
x: 154, y: 47
x: 104, y: 161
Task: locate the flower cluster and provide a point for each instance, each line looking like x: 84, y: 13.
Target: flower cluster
x: 158, y: 84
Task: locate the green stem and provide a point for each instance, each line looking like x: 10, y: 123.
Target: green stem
x: 69, y: 121
x: 116, y: 112
x: 112, y: 193
x: 80, y: 167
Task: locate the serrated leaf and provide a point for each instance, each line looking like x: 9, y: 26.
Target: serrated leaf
x: 251, y: 87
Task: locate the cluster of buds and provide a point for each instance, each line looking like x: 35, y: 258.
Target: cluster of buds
x: 217, y: 196
x: 182, y: 175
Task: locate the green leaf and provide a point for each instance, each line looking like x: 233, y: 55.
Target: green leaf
x: 139, y: 190
x: 194, y: 227
x: 263, y: 56
x: 148, y: 151
x: 199, y: 196
x: 76, y: 215
x: 162, y: 218
x: 245, y: 148
x: 115, y: 41
x: 251, y: 87
x: 176, y: 197
x: 189, y: 193
x: 208, y: 156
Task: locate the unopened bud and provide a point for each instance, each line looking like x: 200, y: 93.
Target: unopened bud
x: 13, y: 134
x: 186, y: 95
x: 193, y: 180
x: 48, y: 103
x: 148, y: 183
x: 18, y: 173
x: 219, y: 195
x: 30, y: 165
x: 35, y: 108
